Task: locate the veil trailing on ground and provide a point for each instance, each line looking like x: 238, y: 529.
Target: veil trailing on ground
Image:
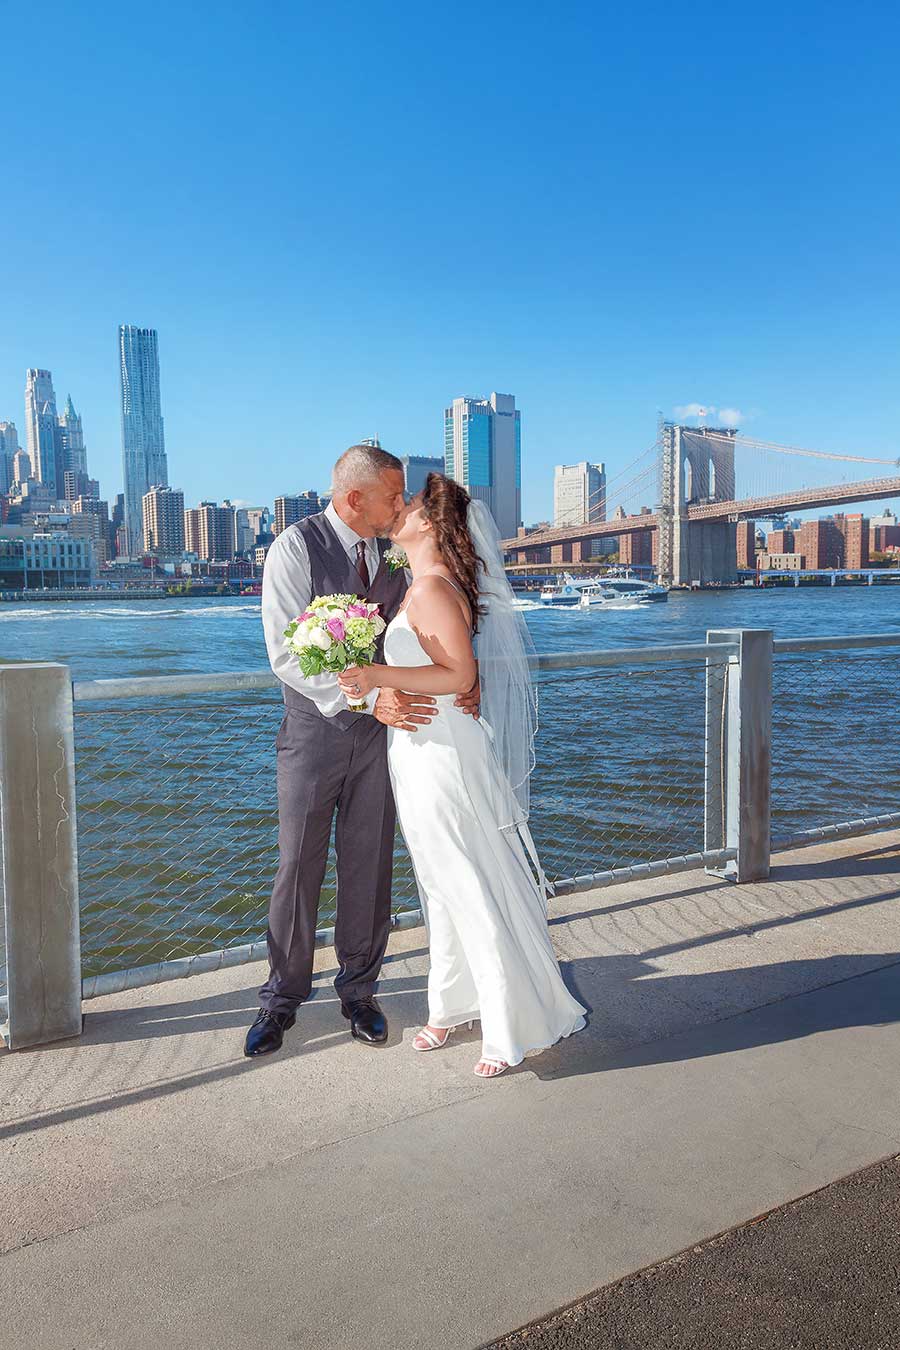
x: 504, y: 649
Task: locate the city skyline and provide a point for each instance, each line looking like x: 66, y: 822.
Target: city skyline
x: 65, y: 439
x: 65, y: 445
x: 63, y: 431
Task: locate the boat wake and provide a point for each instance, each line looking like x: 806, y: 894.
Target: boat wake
x: 59, y: 610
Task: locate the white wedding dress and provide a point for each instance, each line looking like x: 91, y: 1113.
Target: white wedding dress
x: 491, y: 955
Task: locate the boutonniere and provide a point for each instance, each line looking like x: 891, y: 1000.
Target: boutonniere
x: 396, y: 559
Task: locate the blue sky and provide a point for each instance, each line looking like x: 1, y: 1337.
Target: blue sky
x: 339, y: 220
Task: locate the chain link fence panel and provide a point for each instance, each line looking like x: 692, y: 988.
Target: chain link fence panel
x: 620, y: 758
x: 177, y: 816
x: 832, y: 761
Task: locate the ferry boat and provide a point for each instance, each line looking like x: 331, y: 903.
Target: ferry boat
x: 620, y: 587
x: 566, y: 591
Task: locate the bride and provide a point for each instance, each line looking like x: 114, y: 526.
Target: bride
x: 461, y: 785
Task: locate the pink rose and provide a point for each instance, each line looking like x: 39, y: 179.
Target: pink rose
x: 336, y: 629
x: 357, y: 611
x: 301, y: 618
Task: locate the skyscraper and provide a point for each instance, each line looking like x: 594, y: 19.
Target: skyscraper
x: 259, y: 518
x: 9, y: 448
x: 43, y: 435
x: 579, y: 493
x: 143, y: 444
x: 72, y: 437
x: 209, y: 531
x: 163, y: 509
x: 483, y: 452
x: 288, y: 510
x: 21, y: 466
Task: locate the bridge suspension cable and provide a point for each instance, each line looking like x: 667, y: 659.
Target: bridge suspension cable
x: 754, y: 443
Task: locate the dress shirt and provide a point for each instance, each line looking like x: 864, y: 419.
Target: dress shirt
x: 286, y: 592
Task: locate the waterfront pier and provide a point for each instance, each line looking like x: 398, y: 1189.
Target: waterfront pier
x: 743, y: 1050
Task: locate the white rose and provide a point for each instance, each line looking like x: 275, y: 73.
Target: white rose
x: 378, y: 623
x: 300, y: 635
x: 321, y: 638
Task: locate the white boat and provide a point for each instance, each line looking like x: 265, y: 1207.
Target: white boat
x: 620, y: 587
x: 566, y: 591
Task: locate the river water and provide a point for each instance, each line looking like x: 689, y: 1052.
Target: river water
x: 176, y: 806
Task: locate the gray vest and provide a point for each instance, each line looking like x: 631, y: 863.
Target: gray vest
x: 333, y: 573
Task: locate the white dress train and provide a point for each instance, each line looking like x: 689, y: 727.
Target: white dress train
x: 491, y: 955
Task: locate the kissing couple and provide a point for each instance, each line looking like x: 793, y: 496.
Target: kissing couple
x: 446, y: 744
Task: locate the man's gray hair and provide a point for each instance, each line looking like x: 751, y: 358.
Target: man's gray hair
x: 361, y: 465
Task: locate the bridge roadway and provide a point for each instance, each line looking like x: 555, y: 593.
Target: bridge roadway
x: 746, y: 508
x: 743, y: 1050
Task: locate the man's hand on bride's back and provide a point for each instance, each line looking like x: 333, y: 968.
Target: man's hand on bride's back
x: 471, y: 701
x: 404, y: 711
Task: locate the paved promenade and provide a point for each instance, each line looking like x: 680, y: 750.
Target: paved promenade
x: 743, y: 1051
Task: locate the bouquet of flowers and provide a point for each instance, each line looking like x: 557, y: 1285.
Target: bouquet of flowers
x: 334, y: 633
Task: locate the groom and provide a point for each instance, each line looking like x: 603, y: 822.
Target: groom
x: 332, y: 760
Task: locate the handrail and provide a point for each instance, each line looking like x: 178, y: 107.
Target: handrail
x: 246, y: 681
x: 826, y: 644
x: 145, y: 686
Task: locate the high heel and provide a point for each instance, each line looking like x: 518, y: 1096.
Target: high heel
x: 431, y: 1041
x: 499, y: 1064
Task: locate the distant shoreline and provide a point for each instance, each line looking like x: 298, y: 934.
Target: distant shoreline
x: 50, y: 597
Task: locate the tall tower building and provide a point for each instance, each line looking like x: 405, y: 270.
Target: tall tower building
x: 163, y: 509
x: 259, y: 519
x: 143, y: 444
x: 209, y: 531
x: 72, y: 436
x: 43, y: 436
x: 9, y: 448
x: 579, y: 493
x: 288, y: 510
x: 21, y: 466
x: 483, y: 452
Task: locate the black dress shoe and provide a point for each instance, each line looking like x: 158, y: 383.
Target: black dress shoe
x: 267, y: 1032
x: 367, y: 1022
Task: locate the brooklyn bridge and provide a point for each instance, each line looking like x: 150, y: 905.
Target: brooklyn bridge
x: 691, y: 476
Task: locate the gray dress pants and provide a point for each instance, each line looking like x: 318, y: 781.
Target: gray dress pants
x: 327, y: 765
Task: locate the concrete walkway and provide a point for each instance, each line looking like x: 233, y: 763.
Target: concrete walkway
x: 744, y: 1049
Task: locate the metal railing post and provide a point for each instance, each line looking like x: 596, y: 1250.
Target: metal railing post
x: 739, y: 754
x: 38, y: 854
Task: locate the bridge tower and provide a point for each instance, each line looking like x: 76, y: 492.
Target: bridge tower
x: 697, y: 466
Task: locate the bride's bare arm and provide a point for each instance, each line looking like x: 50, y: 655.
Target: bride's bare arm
x: 438, y: 620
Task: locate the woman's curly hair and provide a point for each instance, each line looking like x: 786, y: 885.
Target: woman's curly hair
x: 445, y: 504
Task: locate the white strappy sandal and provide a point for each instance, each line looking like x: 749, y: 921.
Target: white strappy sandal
x: 499, y: 1064
x: 432, y: 1042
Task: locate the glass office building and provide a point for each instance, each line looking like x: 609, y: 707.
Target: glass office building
x: 483, y: 452
x: 144, y: 461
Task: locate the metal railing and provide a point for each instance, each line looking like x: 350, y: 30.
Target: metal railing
x: 651, y: 760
